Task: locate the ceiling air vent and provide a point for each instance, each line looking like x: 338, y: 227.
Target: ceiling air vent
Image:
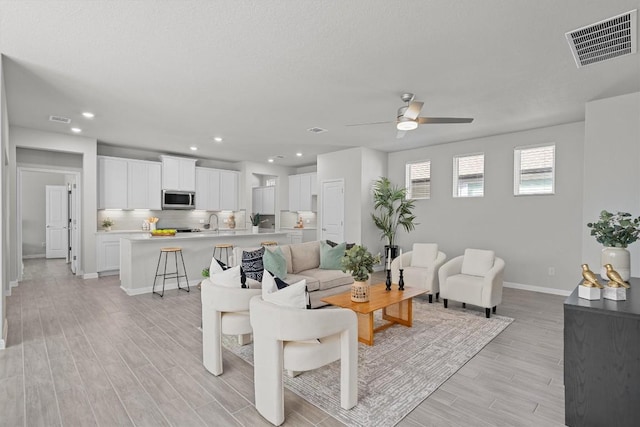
x: 59, y: 119
x: 604, y: 40
x: 316, y: 130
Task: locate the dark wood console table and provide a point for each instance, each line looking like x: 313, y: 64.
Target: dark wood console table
x: 602, y: 360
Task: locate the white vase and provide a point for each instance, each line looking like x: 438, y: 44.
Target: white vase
x: 107, y: 228
x: 360, y: 291
x: 619, y: 259
x: 255, y: 229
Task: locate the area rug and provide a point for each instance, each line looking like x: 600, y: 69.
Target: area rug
x: 402, y: 369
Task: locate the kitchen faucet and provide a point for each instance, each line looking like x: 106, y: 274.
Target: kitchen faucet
x: 217, y: 222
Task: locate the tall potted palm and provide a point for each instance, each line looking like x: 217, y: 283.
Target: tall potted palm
x: 392, y: 210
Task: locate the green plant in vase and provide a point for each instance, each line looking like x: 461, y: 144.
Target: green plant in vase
x: 616, y: 231
x: 359, y: 262
x: 107, y: 223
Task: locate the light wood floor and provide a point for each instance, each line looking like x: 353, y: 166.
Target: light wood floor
x: 82, y: 353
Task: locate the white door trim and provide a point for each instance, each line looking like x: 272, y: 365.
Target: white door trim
x: 322, y: 202
x: 75, y: 214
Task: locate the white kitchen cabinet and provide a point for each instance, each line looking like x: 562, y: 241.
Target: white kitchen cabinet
x: 300, y: 191
x: 207, y: 189
x: 144, y: 185
x: 229, y: 190
x: 314, y: 183
x: 108, y: 251
x: 264, y: 200
x: 112, y: 183
x: 295, y: 236
x: 178, y: 173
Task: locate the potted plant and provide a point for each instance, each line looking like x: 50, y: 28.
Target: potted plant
x: 393, y: 210
x: 616, y: 231
x: 255, y: 223
x: 107, y: 223
x: 359, y: 262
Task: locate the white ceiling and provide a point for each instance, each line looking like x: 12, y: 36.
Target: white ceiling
x: 164, y: 75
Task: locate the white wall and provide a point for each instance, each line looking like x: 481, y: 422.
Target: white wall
x: 374, y: 165
x: 531, y: 233
x: 55, y: 142
x: 34, y: 209
x: 611, y: 168
x: 5, y: 218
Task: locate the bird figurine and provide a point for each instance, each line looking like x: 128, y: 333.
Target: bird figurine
x: 615, y: 279
x: 590, y: 278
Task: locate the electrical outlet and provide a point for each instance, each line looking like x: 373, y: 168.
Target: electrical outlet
x: 202, y: 221
x: 552, y: 271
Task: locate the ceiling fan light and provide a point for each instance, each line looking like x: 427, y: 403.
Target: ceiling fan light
x: 405, y: 123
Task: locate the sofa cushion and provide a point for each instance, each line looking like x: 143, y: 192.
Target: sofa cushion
x: 331, y: 256
x: 334, y: 244
x: 313, y: 284
x: 286, y: 251
x: 477, y: 262
x: 328, y: 279
x: 465, y: 288
x: 305, y: 256
x: 424, y: 254
x: 252, y: 264
x: 275, y: 262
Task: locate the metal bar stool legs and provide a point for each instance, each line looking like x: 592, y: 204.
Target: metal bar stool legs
x: 219, y: 247
x: 173, y: 275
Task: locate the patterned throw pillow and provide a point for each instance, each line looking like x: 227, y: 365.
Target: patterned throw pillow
x: 334, y: 244
x: 252, y: 264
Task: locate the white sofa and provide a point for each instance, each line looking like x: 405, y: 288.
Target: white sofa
x: 424, y: 274
x: 303, y: 262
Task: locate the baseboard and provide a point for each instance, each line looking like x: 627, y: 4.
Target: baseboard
x: 14, y: 283
x: 3, y: 337
x: 540, y: 289
x: 7, y: 293
x: 167, y: 287
x: 34, y: 256
x: 90, y: 276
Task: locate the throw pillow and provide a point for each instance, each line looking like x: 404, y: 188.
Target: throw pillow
x: 424, y: 254
x: 229, y: 278
x: 334, y: 244
x: 252, y: 264
x: 294, y: 295
x: 331, y: 257
x: 275, y: 262
x: 477, y: 262
x: 216, y: 266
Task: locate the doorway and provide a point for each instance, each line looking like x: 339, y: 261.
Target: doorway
x: 333, y: 210
x: 48, y: 215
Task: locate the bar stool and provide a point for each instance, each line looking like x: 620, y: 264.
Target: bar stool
x: 269, y: 243
x: 228, y: 248
x: 173, y: 275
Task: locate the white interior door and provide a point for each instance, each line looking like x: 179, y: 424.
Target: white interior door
x: 73, y: 225
x: 333, y: 210
x: 57, y: 221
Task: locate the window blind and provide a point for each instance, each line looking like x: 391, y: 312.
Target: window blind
x: 534, y: 170
x: 419, y: 180
x: 469, y: 176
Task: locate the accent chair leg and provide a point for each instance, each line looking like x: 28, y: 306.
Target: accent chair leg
x: 437, y: 296
x: 487, y: 312
x: 494, y: 309
x: 444, y: 301
x: 464, y: 305
x: 430, y: 298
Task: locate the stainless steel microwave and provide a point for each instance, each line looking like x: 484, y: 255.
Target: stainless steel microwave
x: 178, y: 199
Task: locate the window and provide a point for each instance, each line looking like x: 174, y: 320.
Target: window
x: 270, y: 182
x: 534, y: 170
x: 419, y: 180
x: 468, y: 176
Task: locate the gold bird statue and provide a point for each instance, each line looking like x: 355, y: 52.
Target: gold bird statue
x: 590, y: 278
x: 615, y: 279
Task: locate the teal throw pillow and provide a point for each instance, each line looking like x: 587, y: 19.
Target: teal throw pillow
x: 331, y: 257
x: 275, y: 262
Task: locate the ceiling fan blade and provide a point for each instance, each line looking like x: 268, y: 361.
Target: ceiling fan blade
x: 413, y: 110
x: 400, y: 134
x: 371, y: 123
x: 436, y: 120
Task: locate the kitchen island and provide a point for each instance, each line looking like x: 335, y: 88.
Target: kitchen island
x: 139, y: 255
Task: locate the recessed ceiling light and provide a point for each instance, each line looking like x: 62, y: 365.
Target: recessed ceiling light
x: 88, y: 115
x: 76, y: 130
x: 270, y: 160
x: 193, y: 148
x: 299, y: 154
x: 217, y: 139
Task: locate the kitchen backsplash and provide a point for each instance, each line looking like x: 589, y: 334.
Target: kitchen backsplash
x: 290, y: 219
x: 132, y: 220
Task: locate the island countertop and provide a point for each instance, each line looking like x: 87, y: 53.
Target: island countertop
x: 139, y: 255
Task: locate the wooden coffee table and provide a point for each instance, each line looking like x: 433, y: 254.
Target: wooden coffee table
x: 397, y: 307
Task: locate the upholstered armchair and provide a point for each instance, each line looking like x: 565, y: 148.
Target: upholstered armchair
x: 420, y: 268
x: 225, y: 310
x: 300, y: 340
x: 474, y: 278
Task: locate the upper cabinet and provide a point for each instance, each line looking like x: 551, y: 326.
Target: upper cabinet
x: 264, y: 200
x: 216, y: 190
x: 178, y: 173
x: 128, y: 184
x: 301, y: 189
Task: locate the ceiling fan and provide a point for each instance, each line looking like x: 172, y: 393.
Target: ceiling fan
x: 408, y: 119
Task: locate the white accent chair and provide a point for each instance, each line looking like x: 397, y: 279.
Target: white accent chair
x: 225, y: 310
x: 287, y: 338
x: 420, y: 273
x: 474, y: 278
